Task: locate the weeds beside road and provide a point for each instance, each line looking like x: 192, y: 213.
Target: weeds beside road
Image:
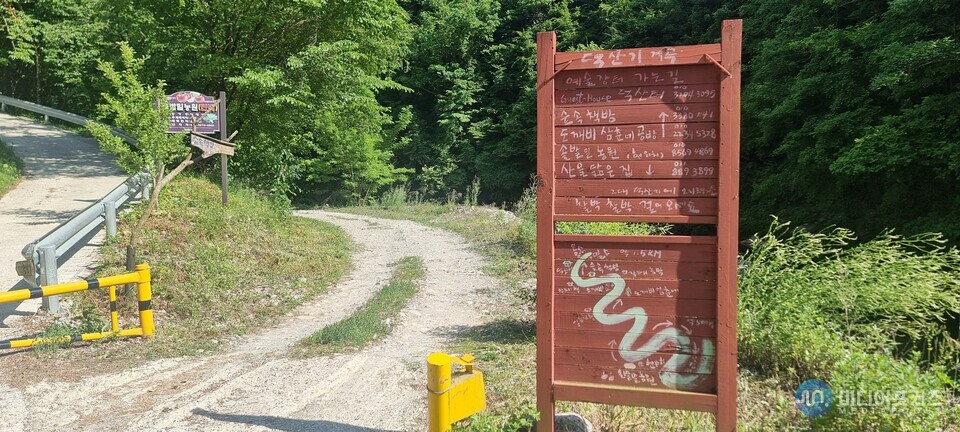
x: 372, y: 321
x: 10, y: 166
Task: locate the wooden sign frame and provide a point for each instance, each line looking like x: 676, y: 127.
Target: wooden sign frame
x: 639, y: 147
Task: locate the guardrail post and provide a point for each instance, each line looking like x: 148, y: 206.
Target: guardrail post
x: 48, y: 276
x: 145, y: 194
x: 46, y: 119
x: 110, y: 218
x: 3, y: 107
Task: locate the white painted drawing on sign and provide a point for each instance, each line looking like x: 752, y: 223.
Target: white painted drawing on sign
x: 674, y: 372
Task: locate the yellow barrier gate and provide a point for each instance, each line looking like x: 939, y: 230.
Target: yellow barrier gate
x: 141, y: 277
x: 452, y: 397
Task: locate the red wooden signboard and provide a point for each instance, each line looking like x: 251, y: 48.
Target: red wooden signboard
x: 639, y: 135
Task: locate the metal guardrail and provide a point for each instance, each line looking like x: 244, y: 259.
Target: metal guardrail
x: 42, y: 255
x: 48, y: 112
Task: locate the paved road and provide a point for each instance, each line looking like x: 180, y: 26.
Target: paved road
x: 63, y: 174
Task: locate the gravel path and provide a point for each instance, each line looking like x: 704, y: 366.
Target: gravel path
x: 63, y: 173
x: 257, y: 386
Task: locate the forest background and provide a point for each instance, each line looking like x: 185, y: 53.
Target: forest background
x: 849, y: 107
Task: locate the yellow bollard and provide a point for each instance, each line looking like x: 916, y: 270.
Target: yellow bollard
x: 144, y: 296
x: 438, y: 395
x: 452, y: 397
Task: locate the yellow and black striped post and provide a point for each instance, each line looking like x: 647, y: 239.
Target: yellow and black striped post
x: 145, y: 298
x: 141, y: 277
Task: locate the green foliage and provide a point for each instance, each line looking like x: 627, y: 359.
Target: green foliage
x: 212, y: 276
x: 10, y: 166
x: 869, y: 317
x: 51, y: 51
x: 140, y: 110
x: 374, y: 319
x: 337, y: 100
x: 471, y: 69
x: 394, y: 197
x: 913, y: 399
x: 523, y: 418
x: 847, y: 100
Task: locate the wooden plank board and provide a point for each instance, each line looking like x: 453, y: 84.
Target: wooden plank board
x: 653, y: 56
x: 630, y: 114
x: 685, y: 188
x: 645, y: 288
x: 654, y: 361
x: 650, y: 132
x: 630, y: 239
x: 623, y: 376
x: 639, y: 76
x: 671, y: 219
x: 641, y: 95
x: 637, y: 206
x: 636, y: 170
x: 640, y: 270
x: 585, y: 320
x: 606, y: 339
x: 639, y: 306
x: 637, y: 151
x: 658, y: 252
x: 633, y: 396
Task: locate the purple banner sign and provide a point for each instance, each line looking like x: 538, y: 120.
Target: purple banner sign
x: 191, y: 109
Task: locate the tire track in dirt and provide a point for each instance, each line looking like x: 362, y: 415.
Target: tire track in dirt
x: 256, y: 385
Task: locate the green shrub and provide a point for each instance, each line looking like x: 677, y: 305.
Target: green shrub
x: 10, y: 166
x: 875, y: 392
x: 394, y: 197
x: 813, y: 306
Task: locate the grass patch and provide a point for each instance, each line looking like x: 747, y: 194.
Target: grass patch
x: 221, y: 272
x: 10, y: 166
x: 374, y: 319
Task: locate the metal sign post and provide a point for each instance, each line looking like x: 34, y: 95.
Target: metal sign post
x: 638, y: 135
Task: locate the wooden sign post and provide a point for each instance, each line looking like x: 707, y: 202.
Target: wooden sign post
x: 202, y: 114
x: 638, y: 135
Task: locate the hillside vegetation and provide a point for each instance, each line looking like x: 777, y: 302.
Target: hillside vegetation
x: 848, y: 114
x: 220, y: 272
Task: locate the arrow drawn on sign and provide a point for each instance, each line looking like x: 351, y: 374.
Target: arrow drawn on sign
x: 686, y: 329
x: 649, y: 170
x: 668, y: 323
x: 619, y: 302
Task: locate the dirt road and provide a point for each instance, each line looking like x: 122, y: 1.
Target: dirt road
x: 256, y: 385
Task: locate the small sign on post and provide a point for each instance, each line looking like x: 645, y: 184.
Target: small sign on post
x: 210, y: 146
x: 201, y: 114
